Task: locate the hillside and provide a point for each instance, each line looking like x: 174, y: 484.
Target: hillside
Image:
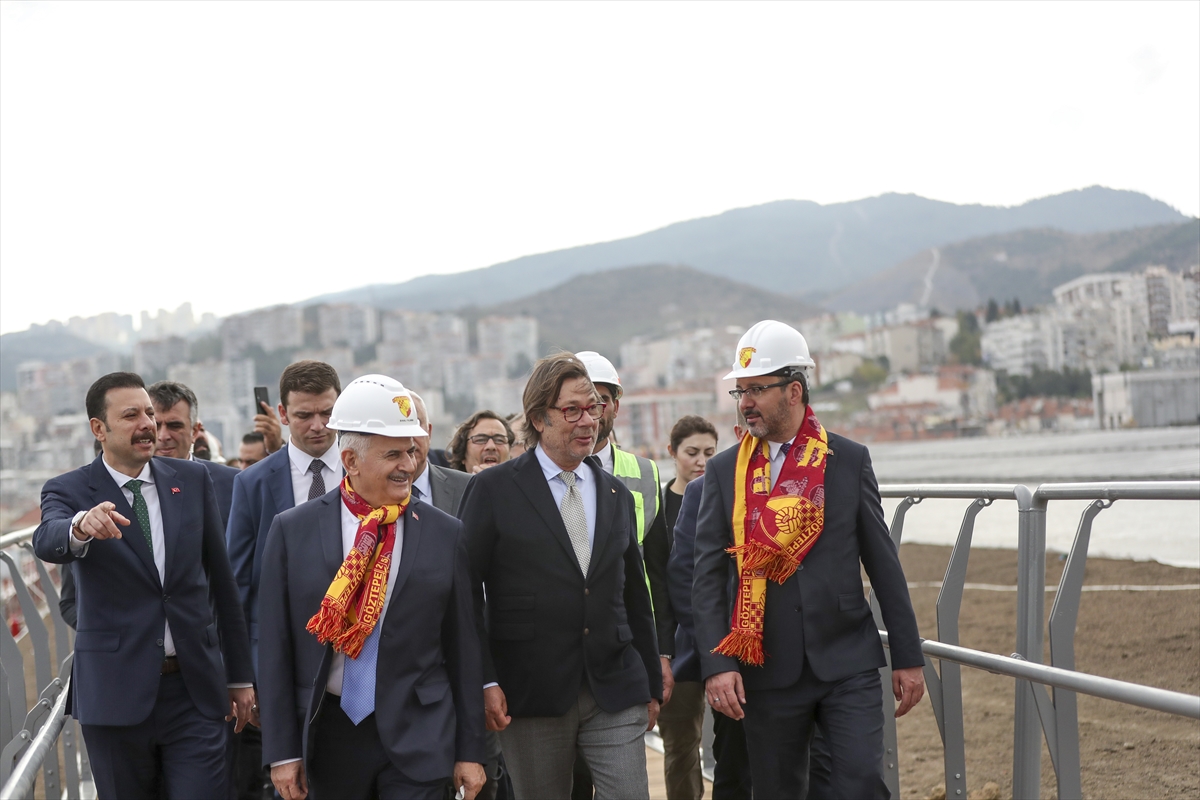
x: 799, y: 246
x: 39, y: 345
x: 1025, y: 264
x: 602, y: 310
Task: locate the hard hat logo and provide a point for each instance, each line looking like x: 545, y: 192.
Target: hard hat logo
x: 404, y: 404
x: 744, y: 356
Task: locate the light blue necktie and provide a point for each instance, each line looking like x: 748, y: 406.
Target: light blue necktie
x: 358, y: 679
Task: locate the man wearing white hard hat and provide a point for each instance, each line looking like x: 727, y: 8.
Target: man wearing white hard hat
x: 640, y: 476
x: 369, y: 656
x: 786, y: 636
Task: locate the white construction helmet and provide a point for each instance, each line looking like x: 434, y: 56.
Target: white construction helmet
x: 376, y: 404
x: 770, y: 346
x: 601, y: 370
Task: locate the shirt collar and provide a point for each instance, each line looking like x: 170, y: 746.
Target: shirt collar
x: 607, y: 458
x: 145, y: 476
x: 775, y: 448
x: 423, y: 484
x: 552, y: 470
x: 302, y: 460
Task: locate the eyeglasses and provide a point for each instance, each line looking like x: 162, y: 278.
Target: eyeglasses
x: 573, y: 413
x: 481, y: 439
x: 756, y: 392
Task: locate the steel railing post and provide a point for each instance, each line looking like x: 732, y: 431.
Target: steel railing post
x: 1031, y: 602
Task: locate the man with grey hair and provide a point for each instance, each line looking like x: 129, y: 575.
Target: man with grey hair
x: 369, y: 693
x: 439, y: 486
x: 177, y: 415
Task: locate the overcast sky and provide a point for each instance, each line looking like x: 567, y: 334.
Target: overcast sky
x: 242, y: 154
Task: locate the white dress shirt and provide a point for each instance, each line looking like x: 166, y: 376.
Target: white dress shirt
x: 150, y: 495
x: 300, y: 462
x: 777, y: 459
x: 349, y: 532
x: 585, y: 482
x: 423, y: 485
x: 606, y: 459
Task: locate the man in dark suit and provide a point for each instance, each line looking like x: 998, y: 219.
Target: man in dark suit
x: 731, y: 775
x: 570, y: 653
x: 304, y: 469
x: 177, y: 414
x: 370, y: 669
x: 154, y: 673
x: 781, y: 655
x: 441, y: 486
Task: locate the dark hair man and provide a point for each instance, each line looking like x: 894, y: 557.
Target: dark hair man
x: 153, y: 670
x: 570, y: 654
x: 805, y: 505
x: 481, y: 441
x: 304, y: 469
x: 370, y: 693
x: 177, y: 412
x: 253, y: 449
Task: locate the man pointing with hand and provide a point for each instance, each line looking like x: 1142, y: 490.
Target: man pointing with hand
x: 785, y: 634
x: 155, y: 671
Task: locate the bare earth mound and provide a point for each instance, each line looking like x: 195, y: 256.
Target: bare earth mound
x: 1152, y: 638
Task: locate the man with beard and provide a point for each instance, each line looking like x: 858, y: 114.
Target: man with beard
x: 154, y: 673
x: 799, y: 508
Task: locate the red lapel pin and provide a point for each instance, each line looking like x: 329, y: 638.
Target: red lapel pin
x: 415, y: 515
x: 174, y: 490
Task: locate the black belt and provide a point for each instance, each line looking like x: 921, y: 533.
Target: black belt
x: 170, y: 665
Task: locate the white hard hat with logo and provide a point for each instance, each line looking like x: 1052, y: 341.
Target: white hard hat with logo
x: 376, y: 404
x: 770, y: 346
x: 601, y: 370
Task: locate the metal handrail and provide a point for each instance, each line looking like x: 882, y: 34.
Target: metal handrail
x: 18, y: 536
x: 20, y: 783
x: 1134, y: 694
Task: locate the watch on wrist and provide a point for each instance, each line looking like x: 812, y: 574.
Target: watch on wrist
x: 664, y: 655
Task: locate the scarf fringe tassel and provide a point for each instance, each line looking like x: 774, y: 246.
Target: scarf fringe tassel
x: 755, y: 556
x: 744, y: 646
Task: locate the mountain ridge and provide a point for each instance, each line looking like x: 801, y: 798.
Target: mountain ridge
x: 797, y: 246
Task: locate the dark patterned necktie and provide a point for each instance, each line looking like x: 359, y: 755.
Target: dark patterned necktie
x: 783, y: 451
x: 318, y: 481
x: 141, y: 511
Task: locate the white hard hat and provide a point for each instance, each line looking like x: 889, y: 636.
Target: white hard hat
x: 767, y: 347
x: 601, y: 370
x: 376, y: 404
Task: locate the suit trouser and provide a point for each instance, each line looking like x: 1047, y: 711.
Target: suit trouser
x: 348, y: 762
x: 779, y: 726
x: 176, y: 749
x: 540, y: 751
x: 681, y: 725
x: 731, y: 775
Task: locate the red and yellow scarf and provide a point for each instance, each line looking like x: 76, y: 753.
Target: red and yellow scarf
x: 354, y: 601
x: 772, y: 530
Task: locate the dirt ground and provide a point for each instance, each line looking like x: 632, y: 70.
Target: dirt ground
x: 1151, y: 638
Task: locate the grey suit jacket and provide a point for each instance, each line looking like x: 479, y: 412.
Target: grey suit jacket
x: 448, y: 487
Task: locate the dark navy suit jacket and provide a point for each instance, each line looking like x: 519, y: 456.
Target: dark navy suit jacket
x: 124, y: 606
x: 222, y: 478
x: 259, y: 493
x: 819, y: 615
x: 429, y: 686
x: 686, y: 665
x: 547, y: 625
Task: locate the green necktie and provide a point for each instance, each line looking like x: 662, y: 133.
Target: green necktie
x: 141, y: 512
